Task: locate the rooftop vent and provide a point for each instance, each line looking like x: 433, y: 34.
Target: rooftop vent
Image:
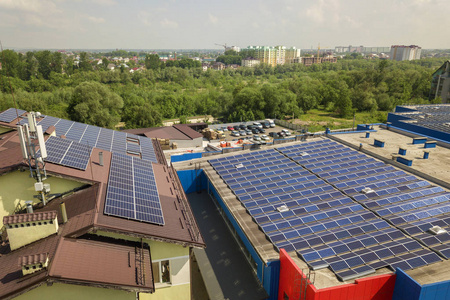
x: 437, y: 230
x: 283, y: 208
x: 239, y: 166
x: 33, y: 263
x: 367, y: 190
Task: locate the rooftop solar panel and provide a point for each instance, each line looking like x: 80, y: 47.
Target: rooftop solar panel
x: 10, y: 114
x: 67, y: 153
x: 132, y: 191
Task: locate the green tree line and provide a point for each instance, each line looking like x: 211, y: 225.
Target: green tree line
x: 50, y: 82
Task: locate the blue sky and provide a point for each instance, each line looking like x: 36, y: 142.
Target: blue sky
x: 171, y: 24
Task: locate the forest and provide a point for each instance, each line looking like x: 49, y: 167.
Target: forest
x: 83, y: 89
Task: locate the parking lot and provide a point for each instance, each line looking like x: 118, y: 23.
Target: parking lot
x: 229, y: 137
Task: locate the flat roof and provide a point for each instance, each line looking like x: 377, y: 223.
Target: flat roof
x: 325, y: 277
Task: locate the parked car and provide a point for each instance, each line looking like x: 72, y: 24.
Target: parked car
x: 262, y: 130
x: 266, y: 124
x: 281, y: 134
x: 230, y: 128
x: 242, y: 127
x: 235, y: 133
x: 242, y: 132
x: 248, y: 132
x: 273, y: 134
x: 265, y: 137
x: 256, y: 137
x: 257, y: 124
x: 286, y: 132
x: 255, y: 130
x: 250, y: 126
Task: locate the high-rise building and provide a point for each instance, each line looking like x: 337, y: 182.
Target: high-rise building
x: 400, y: 52
x: 440, y: 84
x: 278, y: 55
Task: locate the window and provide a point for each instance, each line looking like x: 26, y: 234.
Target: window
x: 161, y: 271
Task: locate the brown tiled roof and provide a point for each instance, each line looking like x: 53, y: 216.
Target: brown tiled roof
x: 32, y: 259
x: 168, y: 132
x: 50, y: 129
x: 187, y: 130
x: 100, y: 262
x: 12, y: 280
x: 11, y: 155
x: 33, y: 217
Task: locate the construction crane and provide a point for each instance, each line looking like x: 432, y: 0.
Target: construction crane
x: 224, y: 46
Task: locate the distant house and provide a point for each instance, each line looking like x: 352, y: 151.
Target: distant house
x: 233, y: 66
x: 205, y: 66
x: 218, y: 66
x: 440, y: 83
x: 250, y: 62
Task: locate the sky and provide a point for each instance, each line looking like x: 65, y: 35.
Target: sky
x: 200, y: 24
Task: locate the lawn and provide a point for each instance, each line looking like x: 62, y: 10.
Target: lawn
x: 319, y: 119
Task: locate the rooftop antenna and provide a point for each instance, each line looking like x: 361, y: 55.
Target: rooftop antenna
x: 28, y: 133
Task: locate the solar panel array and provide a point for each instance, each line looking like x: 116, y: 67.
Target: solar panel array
x: 307, y: 198
x: 67, y: 153
x: 10, y: 114
x: 132, y: 191
x: 102, y: 138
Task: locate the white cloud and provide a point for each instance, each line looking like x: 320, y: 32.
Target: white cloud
x: 30, y: 6
x: 165, y: 23
x: 96, y: 20
x: 213, y: 19
x: 145, y: 18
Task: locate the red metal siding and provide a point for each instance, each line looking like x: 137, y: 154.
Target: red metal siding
x: 379, y: 287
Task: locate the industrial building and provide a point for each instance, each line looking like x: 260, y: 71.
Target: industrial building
x: 431, y: 120
x: 90, y: 213
x: 440, y: 83
x: 401, y: 52
x: 338, y: 216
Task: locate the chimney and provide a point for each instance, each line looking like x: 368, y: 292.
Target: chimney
x: 29, y: 207
x: 23, y: 229
x: 63, y: 212
x: 100, y: 158
x: 33, y: 263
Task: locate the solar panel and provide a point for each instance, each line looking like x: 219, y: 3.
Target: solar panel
x: 10, y: 114
x: 67, y: 153
x: 132, y: 191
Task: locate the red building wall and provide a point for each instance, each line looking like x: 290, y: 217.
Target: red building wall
x: 379, y: 287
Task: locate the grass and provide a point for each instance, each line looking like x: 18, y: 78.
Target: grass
x: 319, y: 119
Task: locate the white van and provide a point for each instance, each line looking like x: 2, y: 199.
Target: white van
x: 271, y: 122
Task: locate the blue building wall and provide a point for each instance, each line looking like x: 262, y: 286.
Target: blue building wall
x: 401, y: 109
x: 185, y: 156
x: 267, y: 274
x: 192, y: 181
x: 407, y: 288
x: 396, y: 121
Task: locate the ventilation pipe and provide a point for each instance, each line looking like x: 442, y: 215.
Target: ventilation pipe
x: 63, y: 212
x: 29, y: 207
x: 100, y: 158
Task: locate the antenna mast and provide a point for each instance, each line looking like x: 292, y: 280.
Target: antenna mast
x: 27, y: 134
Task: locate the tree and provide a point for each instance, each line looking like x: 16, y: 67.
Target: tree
x: 31, y: 66
x: 84, y: 64
x: 152, y: 62
x: 56, y: 64
x: 94, y: 103
x: 44, y: 63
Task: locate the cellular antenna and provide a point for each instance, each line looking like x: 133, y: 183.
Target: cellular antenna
x: 28, y: 133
